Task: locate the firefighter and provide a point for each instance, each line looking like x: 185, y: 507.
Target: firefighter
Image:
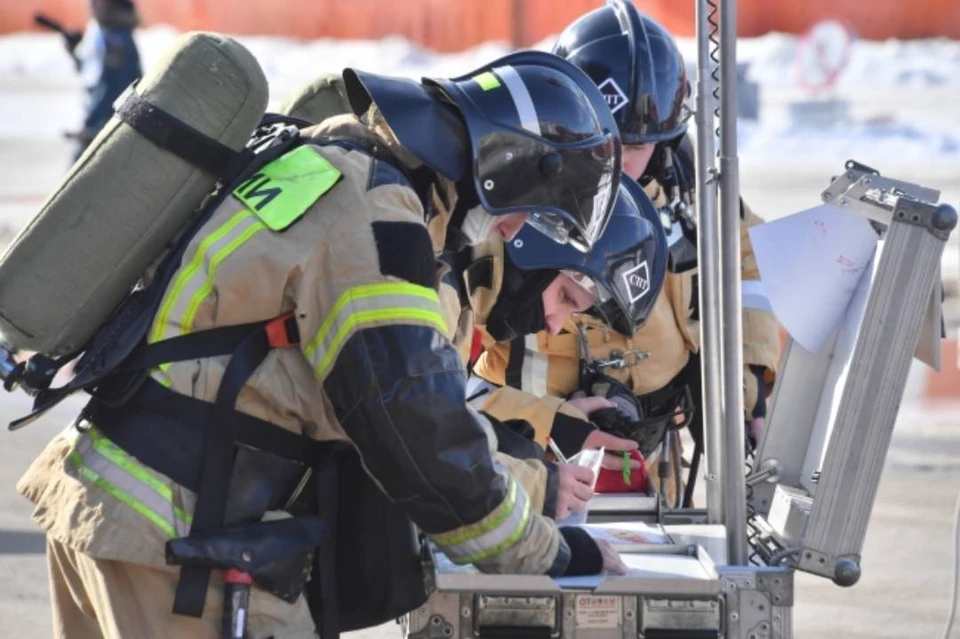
x: 637, y: 66
x: 224, y: 461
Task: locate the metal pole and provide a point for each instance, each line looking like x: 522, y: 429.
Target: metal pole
x: 708, y: 258
x: 735, y: 505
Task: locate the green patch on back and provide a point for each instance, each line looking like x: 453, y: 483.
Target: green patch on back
x: 282, y: 191
x: 487, y: 81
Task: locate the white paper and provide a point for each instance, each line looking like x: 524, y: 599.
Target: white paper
x: 928, y: 348
x: 810, y: 264
x: 836, y: 378
x: 627, y: 533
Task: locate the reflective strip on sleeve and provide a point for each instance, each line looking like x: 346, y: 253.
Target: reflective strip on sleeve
x: 372, y: 305
x: 493, y: 534
x: 755, y: 296
x: 535, y: 367
x: 110, y: 468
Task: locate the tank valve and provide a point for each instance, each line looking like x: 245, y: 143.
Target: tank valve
x: 10, y: 369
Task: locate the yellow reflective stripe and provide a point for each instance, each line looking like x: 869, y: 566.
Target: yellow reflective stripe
x: 485, y: 525
x: 513, y: 538
x: 122, y: 459
x: 366, y: 291
x: 399, y: 302
x: 97, y: 480
x: 186, y: 273
x: 215, y: 261
x: 162, y: 378
x: 110, y: 468
x: 500, y: 530
x: 394, y: 315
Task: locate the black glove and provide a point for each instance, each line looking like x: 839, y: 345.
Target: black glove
x: 585, y: 556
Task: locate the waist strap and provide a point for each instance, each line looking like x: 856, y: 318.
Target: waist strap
x: 166, y: 431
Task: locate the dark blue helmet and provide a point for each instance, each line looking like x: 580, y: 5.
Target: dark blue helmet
x: 637, y: 66
x: 542, y: 139
x: 626, y: 267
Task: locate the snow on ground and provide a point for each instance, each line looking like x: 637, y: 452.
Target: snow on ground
x: 900, y: 93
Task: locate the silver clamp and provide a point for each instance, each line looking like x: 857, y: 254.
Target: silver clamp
x: 622, y: 359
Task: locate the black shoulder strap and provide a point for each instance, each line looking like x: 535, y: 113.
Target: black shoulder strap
x: 218, y: 457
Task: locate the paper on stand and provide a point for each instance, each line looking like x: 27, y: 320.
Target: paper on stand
x: 810, y: 264
x: 627, y: 534
x: 836, y: 377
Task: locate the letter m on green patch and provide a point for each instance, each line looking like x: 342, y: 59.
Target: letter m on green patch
x: 282, y: 191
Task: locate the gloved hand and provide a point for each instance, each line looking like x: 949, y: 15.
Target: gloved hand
x: 589, y: 556
x: 647, y: 436
x: 591, y: 405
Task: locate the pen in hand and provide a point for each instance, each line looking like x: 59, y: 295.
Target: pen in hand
x: 556, y: 451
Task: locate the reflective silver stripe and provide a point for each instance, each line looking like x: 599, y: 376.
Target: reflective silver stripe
x: 521, y: 98
x: 372, y: 305
x: 497, y: 532
x: 533, y: 376
x: 110, y: 468
x: 755, y: 296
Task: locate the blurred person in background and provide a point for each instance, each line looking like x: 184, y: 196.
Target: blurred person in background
x: 107, y: 60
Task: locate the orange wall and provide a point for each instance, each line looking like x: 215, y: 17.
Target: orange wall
x: 451, y: 25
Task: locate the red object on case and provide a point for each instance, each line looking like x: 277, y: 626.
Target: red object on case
x: 476, y: 346
x: 611, y: 481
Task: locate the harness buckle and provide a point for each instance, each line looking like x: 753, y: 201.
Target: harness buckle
x: 282, y: 332
x: 622, y: 359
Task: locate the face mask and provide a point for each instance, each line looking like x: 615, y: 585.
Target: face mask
x: 519, y: 308
x: 477, y: 225
x: 510, y: 319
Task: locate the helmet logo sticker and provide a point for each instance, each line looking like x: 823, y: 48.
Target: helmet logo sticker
x: 613, y: 94
x: 637, y: 281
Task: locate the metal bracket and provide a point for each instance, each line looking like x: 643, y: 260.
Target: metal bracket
x: 778, y: 584
x: 436, y: 628
x: 866, y: 192
x: 756, y: 598
x: 622, y: 359
x: 844, y: 571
